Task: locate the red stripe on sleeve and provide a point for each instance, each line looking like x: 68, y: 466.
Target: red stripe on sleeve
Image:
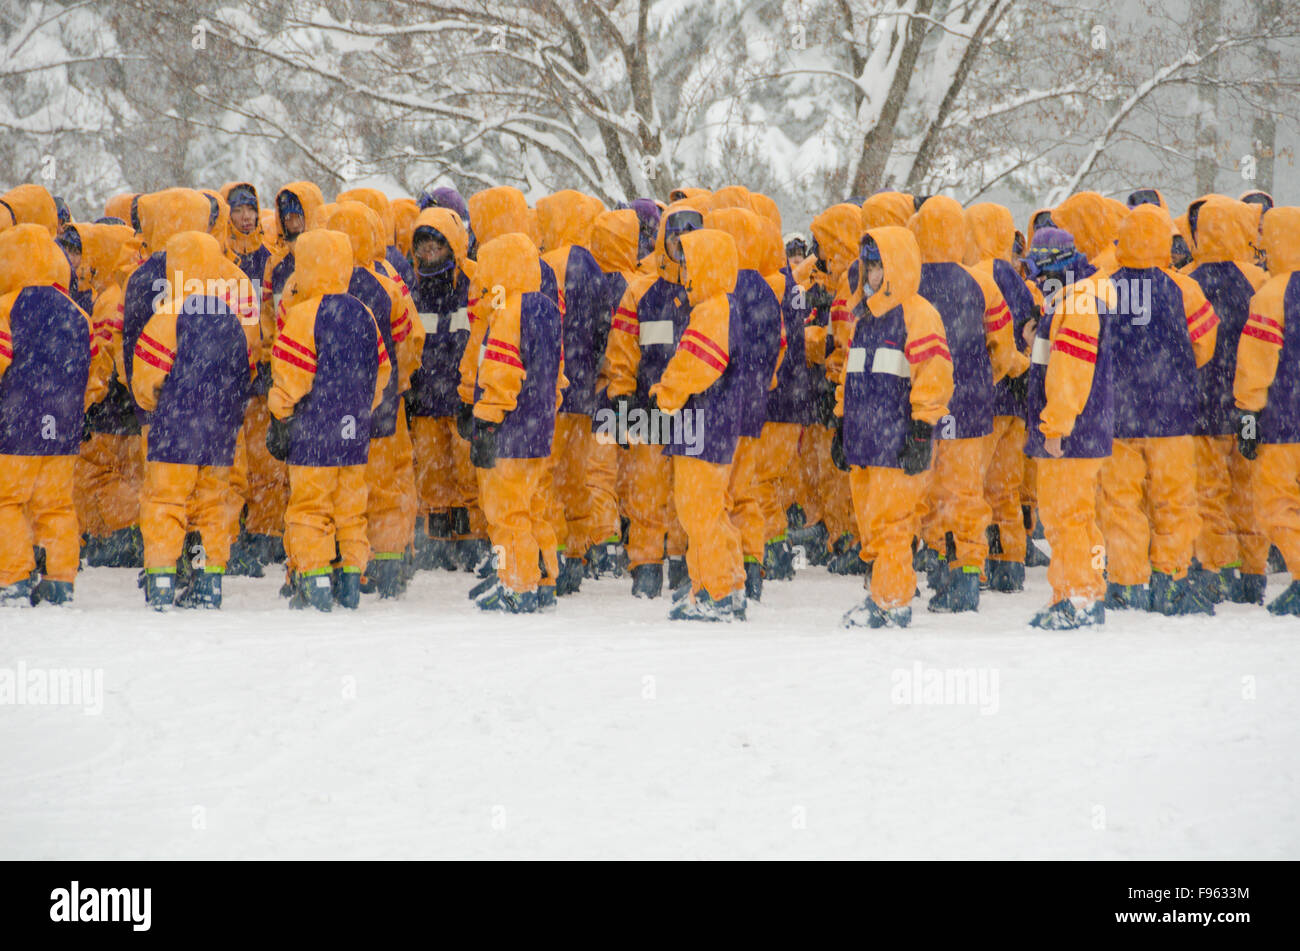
x: 934, y: 350
x: 1205, y: 328
x: 1250, y: 330
x: 718, y: 352
x: 293, y: 359
x: 1266, y: 321
x: 152, y: 360
x: 1070, y: 349
x: 505, y: 358
x: 1199, y: 314
x: 1086, y: 338
x: 704, y: 355
x: 508, y: 348
x: 921, y: 341
x: 145, y: 338
x: 292, y: 344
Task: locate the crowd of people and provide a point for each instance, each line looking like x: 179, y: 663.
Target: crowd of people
x: 200, y: 383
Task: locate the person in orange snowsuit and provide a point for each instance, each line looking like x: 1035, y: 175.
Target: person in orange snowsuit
x: 193, y: 364
x: 1267, y: 395
x: 1164, y: 330
x: 517, y: 395
x: 51, y: 369
x: 894, y: 387
x: 329, y: 367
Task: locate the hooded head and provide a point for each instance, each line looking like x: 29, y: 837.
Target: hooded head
x: 29, y: 204
x: 510, y: 262
x: 710, y: 264
x: 101, y: 249
x: 497, y: 211
x: 887, y: 208
x: 361, y: 225
x: 218, y: 217
x: 1052, y: 254
x: 688, y: 194
x: 837, y: 231
x: 678, y: 218
x: 1146, y: 196
x: 1223, y: 230
x: 377, y: 202
x: 295, y: 198
x: 733, y: 196
x: 990, y: 231
x: 648, y: 214
x: 1144, y: 238
x: 615, y: 240
x: 30, y: 256
x: 119, y: 206
x: 900, y: 258
x: 1092, y: 219
x: 171, y: 211
x: 1282, y: 239
x: 444, y: 197
x: 322, y: 263
x: 1255, y: 197
x: 239, y: 196
x: 321, y: 214
x: 405, y: 211
x: 745, y: 228
x: 940, y: 230
x: 766, y: 207
x: 771, y: 249
x: 192, y: 256
x: 444, y: 224
x: 565, y: 218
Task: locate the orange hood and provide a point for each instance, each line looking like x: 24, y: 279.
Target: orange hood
x: 218, y: 217
x: 511, y: 262
x: 1144, y: 238
x: 837, y: 231
x: 497, y: 211
x: 766, y: 207
x: 990, y: 231
x: 614, y: 237
x: 667, y: 268
x: 565, y: 218
x: 405, y: 211
x: 101, y: 249
x: 1282, y: 239
x: 308, y: 195
x: 169, y: 212
x: 361, y: 225
x: 322, y: 263
x: 689, y: 194
x: 900, y: 256
x: 940, y: 230
x: 1092, y: 219
x: 29, y: 256
x: 377, y: 202
x: 887, y: 208
x: 710, y: 263
x: 30, y: 204
x: 194, y: 258
x: 1224, y: 230
x: 236, y: 240
x: 119, y: 206
x: 448, y: 224
x: 745, y: 228
x: 733, y: 196
x: 321, y: 214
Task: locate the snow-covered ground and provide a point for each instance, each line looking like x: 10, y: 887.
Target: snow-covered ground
x: 424, y: 728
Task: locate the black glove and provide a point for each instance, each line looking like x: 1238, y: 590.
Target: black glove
x: 623, y: 404
x: 262, y: 382
x: 465, y: 421
x: 1247, y: 424
x: 837, y: 448
x: 86, y: 431
x: 278, y: 436
x: 483, y: 444
x: 914, y: 457
x: 1018, y: 387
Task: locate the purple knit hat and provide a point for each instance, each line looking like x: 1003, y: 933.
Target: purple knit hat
x: 445, y: 197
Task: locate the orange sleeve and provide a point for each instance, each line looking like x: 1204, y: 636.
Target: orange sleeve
x: 701, y: 357
x: 268, y: 309
x: 1202, y: 322
x: 408, y: 330
x: 501, y: 371
x: 928, y: 360
x: 999, y: 330
x: 841, y: 322
x: 155, y: 353
x: 385, y: 365
x: 623, y: 349
x: 293, y: 359
x: 1260, y: 346
x: 106, y: 316
x: 478, y: 321
x: 1072, y: 360
x: 6, y: 338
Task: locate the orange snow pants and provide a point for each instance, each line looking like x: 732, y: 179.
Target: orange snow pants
x: 1006, y: 472
x: 778, y: 448
x: 109, y: 478
x: 602, y: 490
x: 1137, y: 542
x: 1230, y: 534
x: 955, y: 502
x: 886, y: 503
x: 390, y: 491
x: 510, y: 493
x: 327, y: 506
x: 36, y: 508
x: 177, y: 495
x: 268, y: 477
x: 1067, y: 503
x: 570, y: 511
x: 746, y: 512
x: 650, y: 508
x: 1277, y: 500
x: 713, y: 552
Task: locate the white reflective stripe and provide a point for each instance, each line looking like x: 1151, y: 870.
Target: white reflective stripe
x: 655, y: 332
x: 459, y: 320
x: 430, y: 321
x: 1042, y: 348
x: 482, y: 351
x: 888, y: 360
x: 275, y: 302
x: 857, y: 360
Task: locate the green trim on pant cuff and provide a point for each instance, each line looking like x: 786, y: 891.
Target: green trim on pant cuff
x: 750, y: 559
x: 170, y: 570
x: 315, y: 572
x: 387, y: 556
x: 613, y: 540
x: 213, y: 570
x: 350, y: 570
x: 970, y: 569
